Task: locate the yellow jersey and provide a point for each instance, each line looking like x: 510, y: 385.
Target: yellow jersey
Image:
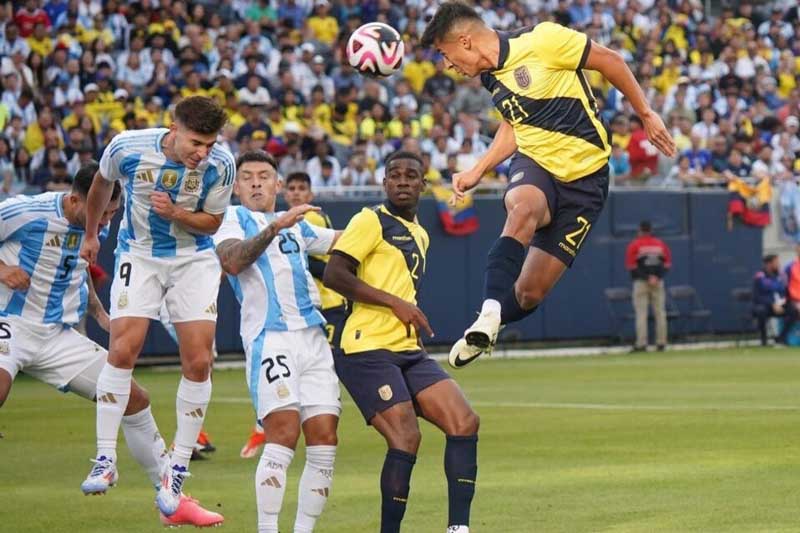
x: 540, y: 89
x: 328, y: 297
x: 390, y: 252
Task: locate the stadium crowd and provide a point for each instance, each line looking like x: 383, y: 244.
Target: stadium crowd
x: 76, y: 72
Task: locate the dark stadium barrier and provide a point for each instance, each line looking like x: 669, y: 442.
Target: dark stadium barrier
x: 705, y: 255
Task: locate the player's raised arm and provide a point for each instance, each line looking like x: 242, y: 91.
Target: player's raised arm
x: 611, y: 65
x: 503, y: 146
x: 96, y: 202
x: 236, y: 254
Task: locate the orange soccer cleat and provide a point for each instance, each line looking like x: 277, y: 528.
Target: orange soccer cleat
x: 254, y: 442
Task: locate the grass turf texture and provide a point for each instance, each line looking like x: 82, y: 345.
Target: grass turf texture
x: 681, y: 441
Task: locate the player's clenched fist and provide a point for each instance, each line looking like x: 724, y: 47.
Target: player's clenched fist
x: 411, y: 315
x: 89, y: 249
x: 14, y: 278
x: 163, y: 205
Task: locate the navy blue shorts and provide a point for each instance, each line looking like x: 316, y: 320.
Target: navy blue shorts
x: 379, y: 379
x: 335, y: 317
x: 574, y: 206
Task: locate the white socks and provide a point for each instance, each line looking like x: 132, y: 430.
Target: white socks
x: 315, y: 486
x: 145, y: 443
x: 191, y: 404
x: 113, y: 393
x: 271, y: 485
x: 491, y: 306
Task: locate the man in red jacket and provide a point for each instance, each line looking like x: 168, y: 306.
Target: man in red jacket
x: 648, y: 259
x: 643, y: 155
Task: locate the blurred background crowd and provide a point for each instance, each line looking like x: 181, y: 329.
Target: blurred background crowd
x: 76, y: 72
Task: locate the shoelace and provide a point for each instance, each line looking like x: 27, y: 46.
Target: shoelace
x: 99, y: 467
x: 177, y: 481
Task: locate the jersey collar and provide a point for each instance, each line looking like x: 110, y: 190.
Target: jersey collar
x: 392, y: 210
x: 504, y: 48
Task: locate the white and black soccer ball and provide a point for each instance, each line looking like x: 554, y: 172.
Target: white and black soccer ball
x: 375, y: 49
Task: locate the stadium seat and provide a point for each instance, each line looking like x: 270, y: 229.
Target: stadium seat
x: 743, y: 305
x: 620, y: 309
x: 685, y: 301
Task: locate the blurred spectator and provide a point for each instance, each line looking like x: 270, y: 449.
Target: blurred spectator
x: 356, y: 172
x: 323, y: 168
x: 643, y: 155
x: 769, y: 299
x: 648, y: 259
x: 619, y: 164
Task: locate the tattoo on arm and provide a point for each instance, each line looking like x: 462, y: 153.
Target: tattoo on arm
x: 236, y: 255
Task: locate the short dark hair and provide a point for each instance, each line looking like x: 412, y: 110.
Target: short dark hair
x: 82, y: 181
x: 404, y: 154
x: 448, y: 14
x: 253, y: 156
x: 645, y: 226
x: 298, y: 176
x: 769, y: 258
x: 201, y: 114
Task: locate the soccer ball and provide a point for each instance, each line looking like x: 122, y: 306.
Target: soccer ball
x: 375, y: 49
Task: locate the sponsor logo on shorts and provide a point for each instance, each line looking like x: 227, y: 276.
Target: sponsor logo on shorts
x: 192, y: 181
x: 212, y: 309
x: 169, y: 178
x: 4, y: 348
x: 567, y: 249
x: 122, y: 302
x: 522, y: 77
x: 516, y: 177
x: 283, y: 391
x: 385, y: 392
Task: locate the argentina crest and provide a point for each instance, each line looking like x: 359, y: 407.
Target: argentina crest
x: 522, y: 77
x: 191, y: 182
x: 169, y: 178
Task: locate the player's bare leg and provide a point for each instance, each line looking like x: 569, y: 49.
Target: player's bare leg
x: 444, y: 405
x: 539, y: 275
x: 195, y: 340
x: 315, y: 483
x: 5, y: 386
x: 398, y: 425
x: 527, y: 209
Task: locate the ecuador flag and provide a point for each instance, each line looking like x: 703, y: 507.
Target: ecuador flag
x: 459, y: 219
x: 750, y: 203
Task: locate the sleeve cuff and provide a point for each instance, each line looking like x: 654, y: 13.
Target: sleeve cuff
x: 346, y: 256
x: 585, y: 54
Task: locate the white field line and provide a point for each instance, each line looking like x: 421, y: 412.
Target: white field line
x: 586, y: 406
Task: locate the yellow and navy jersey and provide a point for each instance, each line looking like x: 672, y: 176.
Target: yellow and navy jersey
x: 539, y: 88
x: 328, y: 297
x: 390, y: 252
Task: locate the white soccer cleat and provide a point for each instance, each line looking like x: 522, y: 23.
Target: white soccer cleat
x: 102, y: 476
x: 458, y: 529
x: 461, y: 354
x: 483, y: 332
x: 168, y: 497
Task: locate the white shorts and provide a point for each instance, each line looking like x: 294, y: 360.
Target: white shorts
x: 58, y: 356
x: 187, y: 285
x: 292, y: 370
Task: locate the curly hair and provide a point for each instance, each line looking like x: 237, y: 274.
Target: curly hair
x: 201, y: 114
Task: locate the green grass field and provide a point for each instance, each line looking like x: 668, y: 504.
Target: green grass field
x: 682, y: 441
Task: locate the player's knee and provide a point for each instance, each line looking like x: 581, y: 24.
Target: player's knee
x: 284, y: 434
x: 530, y: 297
x: 197, y: 368
x: 469, y: 424
x: 139, y: 396
x: 405, y: 439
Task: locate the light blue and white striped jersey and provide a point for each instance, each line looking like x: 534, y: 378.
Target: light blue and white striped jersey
x: 277, y: 292
x: 137, y: 159
x: 35, y: 235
